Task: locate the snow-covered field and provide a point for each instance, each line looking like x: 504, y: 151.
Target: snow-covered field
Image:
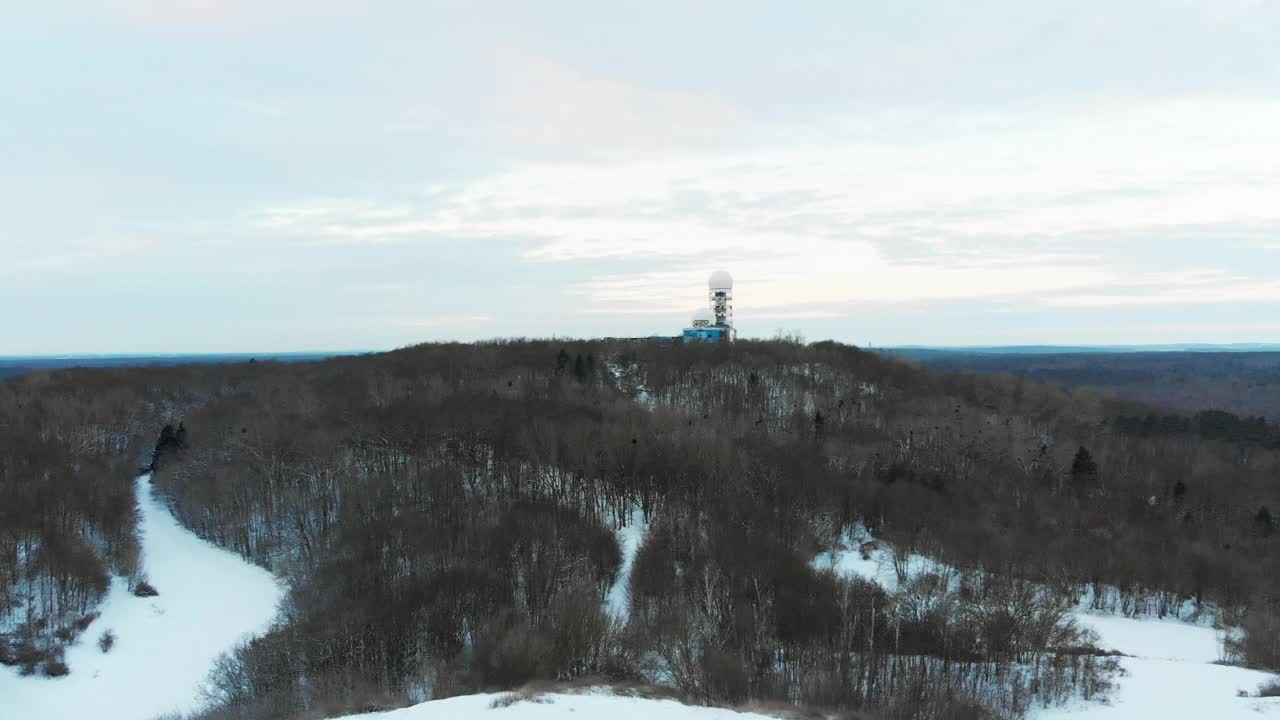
x: 165, y: 645
x: 556, y: 706
x: 1171, y: 676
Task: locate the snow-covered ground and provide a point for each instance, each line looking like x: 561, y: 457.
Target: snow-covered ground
x: 629, y: 381
x: 861, y: 555
x: 165, y: 645
x: 556, y: 706
x: 1171, y: 676
x: 630, y: 537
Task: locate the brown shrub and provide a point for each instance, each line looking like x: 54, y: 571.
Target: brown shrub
x: 84, y: 622
x: 28, y: 656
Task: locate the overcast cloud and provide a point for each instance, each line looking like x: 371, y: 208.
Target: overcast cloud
x: 226, y: 175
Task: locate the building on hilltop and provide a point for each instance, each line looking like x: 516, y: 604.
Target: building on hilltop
x: 714, y: 323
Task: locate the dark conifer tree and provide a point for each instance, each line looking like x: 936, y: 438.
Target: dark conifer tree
x: 1084, y: 471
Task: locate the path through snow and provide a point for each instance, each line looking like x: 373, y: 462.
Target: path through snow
x: 630, y: 537
x: 209, y: 600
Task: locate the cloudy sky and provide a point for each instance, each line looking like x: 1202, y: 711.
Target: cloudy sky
x: 244, y: 175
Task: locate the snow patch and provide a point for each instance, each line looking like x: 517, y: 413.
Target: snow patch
x: 554, y: 706
x: 210, y: 599
x: 629, y: 380
x: 1172, y: 675
x: 1172, y: 672
x: 1154, y: 639
x: 861, y: 555
x: 630, y: 537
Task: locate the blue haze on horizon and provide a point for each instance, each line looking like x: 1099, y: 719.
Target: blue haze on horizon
x: 219, y: 176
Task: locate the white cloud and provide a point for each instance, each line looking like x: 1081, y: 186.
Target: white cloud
x: 1231, y: 291
x: 1035, y: 212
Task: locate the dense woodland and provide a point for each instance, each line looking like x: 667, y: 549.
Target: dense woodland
x: 445, y: 518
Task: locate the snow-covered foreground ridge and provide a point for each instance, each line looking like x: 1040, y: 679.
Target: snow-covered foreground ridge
x: 557, y: 706
x: 209, y: 600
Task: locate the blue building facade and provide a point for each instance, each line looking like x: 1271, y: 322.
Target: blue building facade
x: 704, y: 334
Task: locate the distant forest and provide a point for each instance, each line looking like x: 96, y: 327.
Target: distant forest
x: 1242, y: 383
x: 14, y: 366
x: 444, y: 516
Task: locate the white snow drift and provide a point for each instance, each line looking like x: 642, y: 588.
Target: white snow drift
x: 209, y: 600
x: 554, y: 706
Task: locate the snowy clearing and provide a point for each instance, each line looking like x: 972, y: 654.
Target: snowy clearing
x: 556, y: 706
x: 861, y: 555
x: 1171, y: 675
x: 209, y: 600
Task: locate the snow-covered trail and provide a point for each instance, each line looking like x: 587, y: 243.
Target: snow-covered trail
x: 209, y: 600
x: 630, y: 538
x: 1171, y: 676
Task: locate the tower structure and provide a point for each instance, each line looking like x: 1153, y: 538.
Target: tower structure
x: 714, y: 322
x: 720, y: 291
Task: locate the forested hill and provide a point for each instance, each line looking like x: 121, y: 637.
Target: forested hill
x: 445, y: 516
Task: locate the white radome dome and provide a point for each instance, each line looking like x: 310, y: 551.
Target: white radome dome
x: 720, y: 280
x: 704, y: 314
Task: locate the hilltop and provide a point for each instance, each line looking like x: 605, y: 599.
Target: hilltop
x: 452, y: 519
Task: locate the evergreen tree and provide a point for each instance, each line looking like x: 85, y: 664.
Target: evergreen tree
x: 1084, y: 471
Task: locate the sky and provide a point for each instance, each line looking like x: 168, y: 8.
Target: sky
x: 299, y: 175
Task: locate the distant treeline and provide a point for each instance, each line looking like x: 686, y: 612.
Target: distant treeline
x: 1208, y: 424
x: 22, y: 365
x: 1245, y: 383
